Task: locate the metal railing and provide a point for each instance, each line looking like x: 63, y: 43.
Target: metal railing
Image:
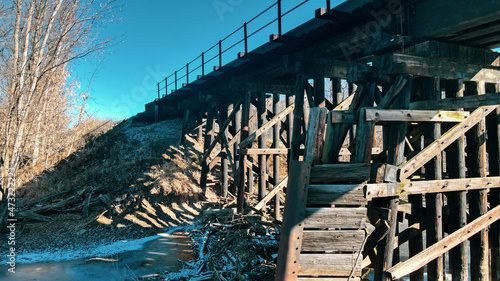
x: 174, y: 79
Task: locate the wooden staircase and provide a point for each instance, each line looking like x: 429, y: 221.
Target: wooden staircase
x: 325, y: 217
x: 334, y: 223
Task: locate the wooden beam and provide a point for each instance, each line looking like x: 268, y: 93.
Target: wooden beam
x: 393, y: 91
x: 458, y: 102
x: 264, y: 151
x: 443, y: 246
x: 220, y: 135
x: 277, y: 118
x: 276, y: 190
x: 374, y: 190
x: 343, y: 117
x: 429, y: 67
x: 444, y: 141
x: 396, y: 115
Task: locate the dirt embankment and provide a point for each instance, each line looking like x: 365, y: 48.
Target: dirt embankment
x: 135, y: 181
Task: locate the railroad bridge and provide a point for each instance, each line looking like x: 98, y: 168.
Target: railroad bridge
x: 386, y: 113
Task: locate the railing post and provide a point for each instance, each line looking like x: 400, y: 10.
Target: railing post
x: 158, y: 84
x: 246, y: 37
x: 220, y: 53
x: 187, y: 73
x: 166, y: 86
x: 176, y: 80
x: 279, y: 18
x: 203, y: 64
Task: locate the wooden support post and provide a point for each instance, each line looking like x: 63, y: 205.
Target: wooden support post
x: 478, y: 204
x: 319, y: 91
x: 236, y: 129
x: 337, y: 95
x: 262, y: 112
x: 289, y: 125
x: 457, y: 201
x: 224, y: 163
x: 493, y: 146
x: 184, y: 126
x: 243, y: 158
x: 396, y: 145
x: 199, y: 135
x: 276, y: 157
x: 434, y: 201
x: 298, y: 118
x: 208, y: 140
x: 416, y: 244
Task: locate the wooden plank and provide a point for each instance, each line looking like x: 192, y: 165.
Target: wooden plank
x: 264, y: 151
x: 394, y: 115
x: 457, y: 102
x: 328, y: 265
x: 443, y: 246
x: 364, y: 137
x: 336, y: 240
x: 373, y: 190
x: 340, y: 173
x: 276, y: 190
x: 287, y: 266
x: 444, y: 141
x: 277, y: 118
x: 336, y: 195
x: 339, y: 218
x: 343, y: 117
x: 315, y: 135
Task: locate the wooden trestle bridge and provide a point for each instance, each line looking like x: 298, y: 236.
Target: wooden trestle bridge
x: 387, y: 113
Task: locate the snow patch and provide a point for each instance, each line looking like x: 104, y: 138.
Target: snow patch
x: 89, y: 252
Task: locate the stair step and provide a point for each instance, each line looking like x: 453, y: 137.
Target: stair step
x: 340, y: 173
x: 338, y: 218
x: 336, y: 240
x: 346, y: 194
x: 329, y: 265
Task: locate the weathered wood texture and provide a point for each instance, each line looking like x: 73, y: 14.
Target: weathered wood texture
x: 340, y: 173
x: 444, y: 141
x: 344, y: 195
x: 287, y: 266
x: 445, y: 244
x: 432, y: 186
x: 339, y: 218
x: 328, y: 265
x: 333, y: 240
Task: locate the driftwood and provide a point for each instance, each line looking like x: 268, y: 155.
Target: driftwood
x: 232, y: 247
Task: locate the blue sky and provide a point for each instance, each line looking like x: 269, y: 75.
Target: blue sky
x: 161, y: 36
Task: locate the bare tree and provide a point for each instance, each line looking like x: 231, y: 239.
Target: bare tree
x: 39, y: 38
